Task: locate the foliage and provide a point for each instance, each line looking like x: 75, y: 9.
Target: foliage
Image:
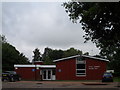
x: 71, y: 52
x: 101, y: 22
x: 11, y: 56
x: 37, y: 55
x: 49, y: 54
x: 116, y: 79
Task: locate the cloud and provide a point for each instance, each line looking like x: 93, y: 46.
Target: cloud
x: 38, y: 25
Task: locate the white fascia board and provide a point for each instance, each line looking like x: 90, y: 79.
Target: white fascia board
x: 96, y: 58
x: 48, y: 66
x: 65, y: 58
x: 24, y: 65
x: 41, y: 66
x: 81, y: 55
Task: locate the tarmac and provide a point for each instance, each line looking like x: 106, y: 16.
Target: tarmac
x: 53, y: 85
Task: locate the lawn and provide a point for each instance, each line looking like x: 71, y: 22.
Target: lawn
x: 116, y: 79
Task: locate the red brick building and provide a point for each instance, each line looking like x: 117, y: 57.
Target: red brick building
x: 70, y: 68
x: 37, y: 71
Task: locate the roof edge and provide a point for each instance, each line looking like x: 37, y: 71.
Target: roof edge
x: 65, y: 58
x: 41, y: 66
x: 80, y: 55
x: 96, y: 58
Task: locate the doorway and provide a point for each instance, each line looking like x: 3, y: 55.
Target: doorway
x: 48, y: 74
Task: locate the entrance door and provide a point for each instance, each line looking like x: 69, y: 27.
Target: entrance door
x: 47, y: 74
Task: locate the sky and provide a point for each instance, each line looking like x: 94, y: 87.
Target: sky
x: 30, y: 25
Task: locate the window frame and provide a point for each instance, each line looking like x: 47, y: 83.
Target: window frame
x: 84, y: 62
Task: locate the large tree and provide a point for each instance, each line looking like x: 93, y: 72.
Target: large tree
x: 11, y: 56
x: 101, y: 22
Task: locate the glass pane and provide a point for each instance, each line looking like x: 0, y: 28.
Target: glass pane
x: 80, y: 62
x: 80, y: 71
x: 44, y: 74
x: 53, y: 72
x: 80, y: 58
x: 80, y: 66
x: 49, y: 74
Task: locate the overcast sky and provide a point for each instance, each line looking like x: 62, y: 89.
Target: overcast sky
x: 29, y: 25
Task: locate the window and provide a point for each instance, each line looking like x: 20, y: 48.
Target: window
x: 80, y: 66
x: 53, y: 72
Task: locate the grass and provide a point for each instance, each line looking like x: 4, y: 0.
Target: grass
x: 116, y: 79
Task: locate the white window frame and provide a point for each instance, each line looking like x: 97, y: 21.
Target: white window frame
x: 80, y: 69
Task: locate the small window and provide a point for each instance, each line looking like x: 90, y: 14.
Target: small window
x: 80, y: 66
x: 80, y: 58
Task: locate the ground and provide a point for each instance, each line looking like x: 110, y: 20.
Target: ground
x: 59, y: 84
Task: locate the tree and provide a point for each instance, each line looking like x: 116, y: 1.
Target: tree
x: 37, y: 55
x: 56, y: 54
x: 11, y: 56
x: 23, y: 59
x: 50, y: 54
x: 2, y: 39
x: 71, y: 52
x: 86, y: 53
x: 101, y: 22
x: 48, y: 61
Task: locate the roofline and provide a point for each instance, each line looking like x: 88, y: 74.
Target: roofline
x: 41, y: 66
x: 65, y: 58
x: 24, y: 65
x: 78, y: 56
x: 96, y: 58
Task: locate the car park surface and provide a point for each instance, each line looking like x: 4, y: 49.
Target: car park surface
x: 56, y: 84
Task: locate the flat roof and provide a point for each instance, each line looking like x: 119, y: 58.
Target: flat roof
x: 41, y: 66
x: 67, y: 58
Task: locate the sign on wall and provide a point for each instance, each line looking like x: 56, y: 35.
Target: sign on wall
x: 93, y: 67
x: 59, y: 70
x: 33, y: 70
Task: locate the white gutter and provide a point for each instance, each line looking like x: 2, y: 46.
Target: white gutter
x: 41, y: 66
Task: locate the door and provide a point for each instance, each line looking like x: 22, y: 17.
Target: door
x: 47, y: 74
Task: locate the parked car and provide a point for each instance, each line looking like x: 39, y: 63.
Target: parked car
x: 107, y: 77
x: 10, y: 76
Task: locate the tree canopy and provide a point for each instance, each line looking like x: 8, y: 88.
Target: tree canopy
x: 37, y: 55
x: 50, y: 54
x: 11, y: 56
x: 101, y: 22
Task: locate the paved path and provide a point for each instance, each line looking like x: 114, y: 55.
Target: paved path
x: 55, y: 84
